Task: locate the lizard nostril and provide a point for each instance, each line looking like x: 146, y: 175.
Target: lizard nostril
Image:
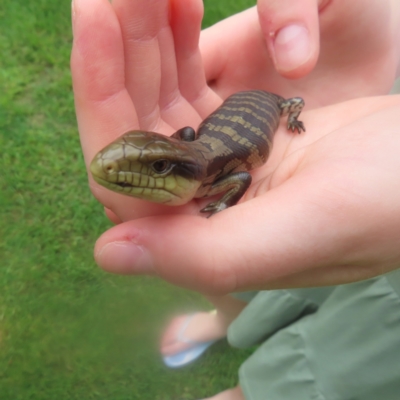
x: 110, y: 166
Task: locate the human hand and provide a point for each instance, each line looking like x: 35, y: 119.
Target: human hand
x: 113, y: 94
x: 136, y: 67
x: 324, y: 210
x: 340, y: 49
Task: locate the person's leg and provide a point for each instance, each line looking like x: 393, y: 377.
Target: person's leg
x: 230, y: 394
x: 204, y: 326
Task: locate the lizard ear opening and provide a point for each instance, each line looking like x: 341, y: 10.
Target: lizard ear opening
x: 191, y: 171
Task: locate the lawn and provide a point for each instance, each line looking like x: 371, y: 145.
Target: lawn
x: 67, y: 329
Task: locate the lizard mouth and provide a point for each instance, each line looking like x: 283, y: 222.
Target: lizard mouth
x: 123, y: 184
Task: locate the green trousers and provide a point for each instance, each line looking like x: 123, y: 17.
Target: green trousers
x: 334, y: 343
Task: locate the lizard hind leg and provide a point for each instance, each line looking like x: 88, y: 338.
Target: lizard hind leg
x: 292, y: 108
x: 234, y: 185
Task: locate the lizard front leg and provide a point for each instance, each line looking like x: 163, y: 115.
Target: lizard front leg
x: 292, y: 108
x: 234, y: 185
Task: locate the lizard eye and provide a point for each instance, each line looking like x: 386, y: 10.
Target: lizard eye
x: 161, y: 166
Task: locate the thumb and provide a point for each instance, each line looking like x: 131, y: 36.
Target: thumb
x: 244, y: 247
x: 291, y: 31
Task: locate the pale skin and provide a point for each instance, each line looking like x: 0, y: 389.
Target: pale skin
x: 322, y: 211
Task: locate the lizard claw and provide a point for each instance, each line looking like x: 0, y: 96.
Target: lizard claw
x: 213, y: 208
x: 295, y: 124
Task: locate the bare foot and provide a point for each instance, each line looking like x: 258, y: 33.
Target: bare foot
x: 230, y: 394
x: 202, y: 327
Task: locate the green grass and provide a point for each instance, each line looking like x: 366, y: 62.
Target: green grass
x: 67, y: 329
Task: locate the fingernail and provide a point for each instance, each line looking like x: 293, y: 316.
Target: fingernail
x: 124, y: 258
x: 292, y: 47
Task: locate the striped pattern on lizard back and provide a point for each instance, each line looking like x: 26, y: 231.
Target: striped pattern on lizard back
x: 238, y: 135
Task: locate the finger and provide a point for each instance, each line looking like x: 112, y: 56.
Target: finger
x: 140, y: 24
x: 186, y: 16
x: 151, y: 71
x: 291, y: 32
x: 103, y: 106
